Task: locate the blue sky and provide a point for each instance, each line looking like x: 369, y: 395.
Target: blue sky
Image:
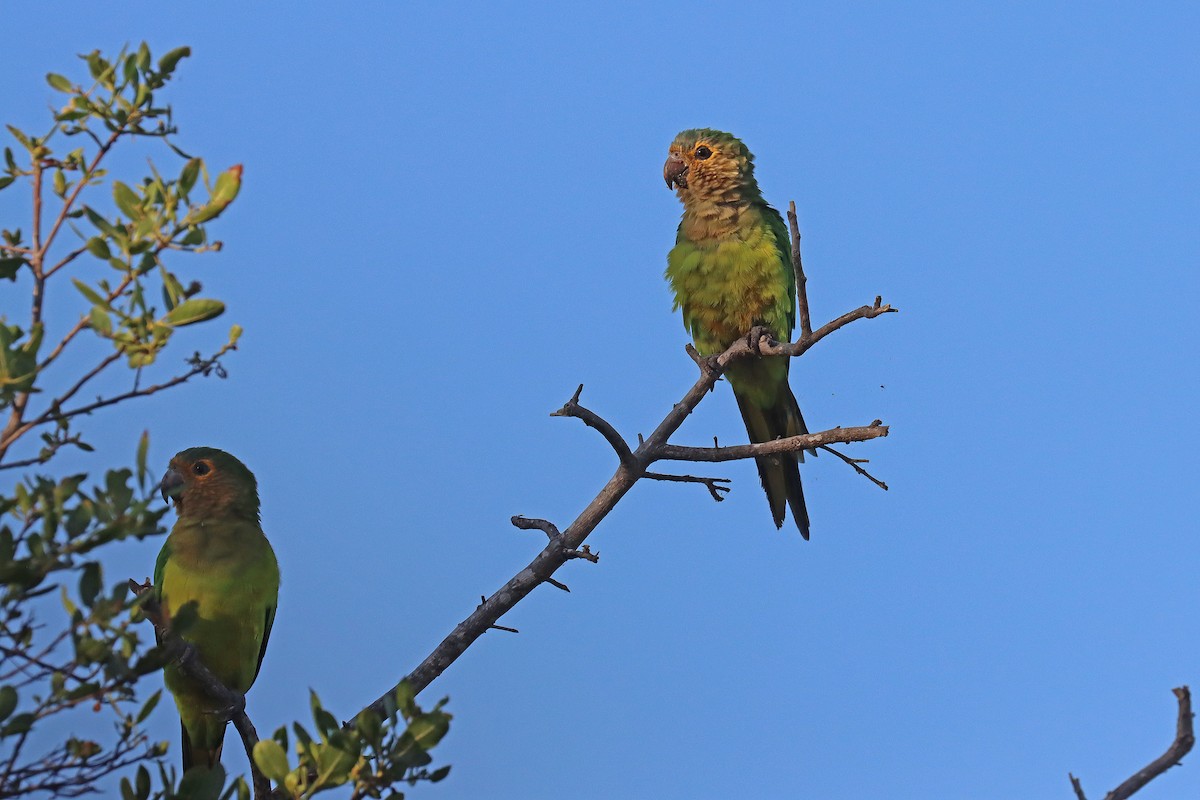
x: 451, y: 216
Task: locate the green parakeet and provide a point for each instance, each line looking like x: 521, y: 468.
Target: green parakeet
x: 731, y: 270
x: 216, y: 557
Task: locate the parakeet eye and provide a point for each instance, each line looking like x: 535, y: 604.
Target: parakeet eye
x: 200, y: 468
x: 702, y: 152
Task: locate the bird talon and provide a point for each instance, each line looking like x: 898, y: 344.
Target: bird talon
x: 755, y: 336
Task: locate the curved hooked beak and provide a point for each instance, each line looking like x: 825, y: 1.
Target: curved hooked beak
x: 675, y: 172
x: 171, y: 485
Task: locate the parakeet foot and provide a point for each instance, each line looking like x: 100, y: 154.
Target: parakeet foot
x: 754, y: 337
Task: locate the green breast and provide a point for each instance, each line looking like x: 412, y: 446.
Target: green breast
x: 229, y: 571
x: 727, y: 284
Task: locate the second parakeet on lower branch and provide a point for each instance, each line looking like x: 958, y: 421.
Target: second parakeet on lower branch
x: 217, y: 560
x: 731, y: 270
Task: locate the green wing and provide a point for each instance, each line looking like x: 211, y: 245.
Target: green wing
x: 783, y: 242
x: 262, y: 650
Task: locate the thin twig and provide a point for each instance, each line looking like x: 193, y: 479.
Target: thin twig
x: 83, y: 323
x: 528, y: 524
x: 710, y: 483
x: 585, y: 553
x: 1184, y: 739
x: 801, y: 279
x: 854, y: 462
x: 800, y: 346
x: 1077, y: 786
x: 790, y: 444
x: 572, y: 409
x: 201, y: 366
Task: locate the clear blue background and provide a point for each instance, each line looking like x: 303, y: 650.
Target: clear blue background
x: 451, y: 216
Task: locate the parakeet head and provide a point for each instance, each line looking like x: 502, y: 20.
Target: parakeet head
x: 205, y: 483
x: 708, y: 165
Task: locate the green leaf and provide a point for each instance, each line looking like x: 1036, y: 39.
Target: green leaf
x: 89, y: 292
x: 96, y: 64
x: 8, y: 701
x: 59, y: 82
x: 101, y: 223
x: 148, y: 707
x: 429, y: 729
x: 187, y: 178
x: 130, y: 70
x: 60, y: 183
x: 202, y: 784
x: 98, y: 247
x: 20, y: 136
x: 369, y: 726
x: 18, y: 724
x: 166, y: 64
x: 6, y: 180
x: 9, y: 267
x: 439, y: 773
x: 127, y: 200
x: 194, y: 310
x: 100, y: 321
x: 143, y: 56
x: 229, y: 183
x: 334, y: 765
x: 143, y: 783
x: 142, y: 449
x: 271, y: 759
x: 89, y: 583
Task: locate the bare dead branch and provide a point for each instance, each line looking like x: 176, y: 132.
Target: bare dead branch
x: 1184, y: 740
x: 801, y: 279
x: 854, y: 462
x: 184, y: 654
x: 527, y: 524
x: 572, y: 409
x: 712, y: 484
x: 737, y: 452
x: 568, y: 543
x: 585, y: 553
x: 557, y: 584
x: 493, y: 628
x: 800, y: 346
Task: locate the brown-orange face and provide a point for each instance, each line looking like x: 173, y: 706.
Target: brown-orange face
x: 205, y: 481
x: 707, y: 164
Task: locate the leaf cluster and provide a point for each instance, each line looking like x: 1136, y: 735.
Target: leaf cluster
x: 68, y: 641
x: 372, y: 755
x: 50, y: 532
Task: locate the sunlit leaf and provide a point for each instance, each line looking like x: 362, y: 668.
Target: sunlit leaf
x: 194, y: 310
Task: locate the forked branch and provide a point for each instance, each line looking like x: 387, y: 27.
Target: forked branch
x: 633, y: 465
x: 1184, y: 740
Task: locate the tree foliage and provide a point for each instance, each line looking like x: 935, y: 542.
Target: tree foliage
x: 72, y: 641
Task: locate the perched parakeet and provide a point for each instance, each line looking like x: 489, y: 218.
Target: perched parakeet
x: 217, y: 557
x: 731, y: 270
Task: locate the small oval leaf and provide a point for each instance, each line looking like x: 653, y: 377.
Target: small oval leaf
x: 271, y: 759
x: 194, y: 310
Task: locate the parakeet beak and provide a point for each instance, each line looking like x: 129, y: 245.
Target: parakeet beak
x: 171, y: 485
x: 675, y: 172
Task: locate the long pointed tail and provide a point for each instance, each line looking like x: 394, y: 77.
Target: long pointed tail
x: 780, y: 474
x: 195, y: 755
